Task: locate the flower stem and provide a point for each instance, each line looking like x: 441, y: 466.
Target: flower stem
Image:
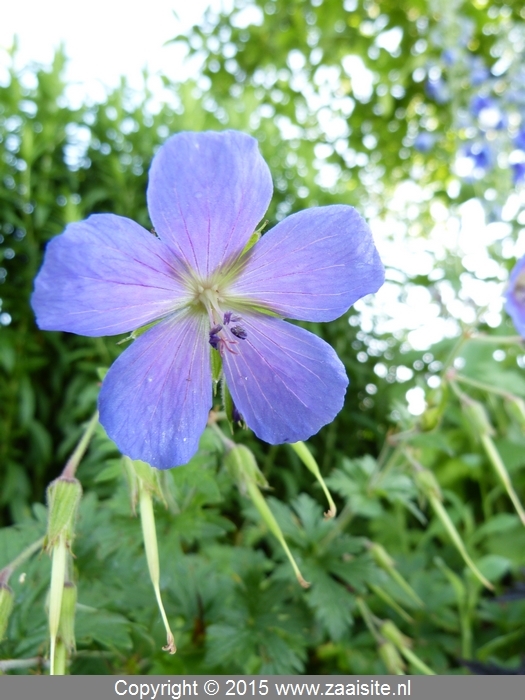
x: 416, y: 661
x: 306, y: 457
x: 58, y: 574
x: 482, y: 386
x: 501, y: 471
x: 267, y: 515
x: 149, y: 532
x: 456, y: 539
x: 498, y: 339
x: 6, y: 572
x: 74, y: 460
x: 387, y: 598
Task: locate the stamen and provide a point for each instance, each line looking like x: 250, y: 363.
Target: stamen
x: 229, y: 317
x: 239, y: 332
x: 236, y: 416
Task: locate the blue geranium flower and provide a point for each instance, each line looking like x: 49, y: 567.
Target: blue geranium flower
x: 519, y: 139
x: 480, y: 154
x: 195, y: 280
x: 515, y: 296
x: 438, y: 90
x: 518, y: 172
x: 424, y: 142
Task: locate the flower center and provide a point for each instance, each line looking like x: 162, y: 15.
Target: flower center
x: 209, y: 297
x: 226, y: 327
x: 225, y: 335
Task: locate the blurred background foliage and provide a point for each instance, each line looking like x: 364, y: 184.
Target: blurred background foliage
x: 410, y: 111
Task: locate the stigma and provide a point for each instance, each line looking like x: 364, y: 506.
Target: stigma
x: 225, y: 335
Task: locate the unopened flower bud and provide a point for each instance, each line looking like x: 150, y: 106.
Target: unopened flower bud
x: 436, y: 404
x: 477, y: 416
x: 385, y: 561
x: 391, y: 658
x: 63, y: 497
x: 516, y: 410
x: 390, y: 632
x: 427, y: 482
x: 6, y: 607
x: 66, y: 628
x: 381, y: 556
x: 243, y: 467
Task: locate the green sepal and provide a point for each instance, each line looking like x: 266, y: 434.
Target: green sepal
x: 101, y: 372
x: 142, y: 475
x: 139, y: 331
x: 216, y: 369
x: 261, y: 310
x: 227, y: 403
x: 252, y: 240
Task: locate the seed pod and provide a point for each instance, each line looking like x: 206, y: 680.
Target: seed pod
x: 66, y: 627
x: 6, y: 607
x: 477, y: 417
x: 63, y: 497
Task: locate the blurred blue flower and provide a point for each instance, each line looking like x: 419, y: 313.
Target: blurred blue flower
x: 518, y: 172
x: 424, y: 142
x: 438, y: 90
x: 198, y: 291
x: 480, y: 102
x: 450, y: 56
x: 479, y: 73
x: 480, y: 154
x: 519, y: 140
x: 515, y: 296
x: 487, y: 110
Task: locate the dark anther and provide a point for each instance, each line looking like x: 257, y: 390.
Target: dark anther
x: 236, y: 416
x: 230, y: 317
x: 239, y: 332
x: 214, y: 338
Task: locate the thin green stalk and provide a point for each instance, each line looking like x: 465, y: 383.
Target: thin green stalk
x: 28, y: 552
x: 482, y: 386
x: 149, y: 532
x: 386, y: 598
x: 456, y: 539
x: 16, y: 664
x: 501, y: 471
x: 368, y: 619
x: 74, y: 460
x: 264, y: 510
x: 306, y: 457
x: 497, y: 339
x: 416, y: 661
x: 454, y: 352
x: 58, y: 576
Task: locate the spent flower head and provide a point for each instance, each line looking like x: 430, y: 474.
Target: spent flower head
x: 206, y: 290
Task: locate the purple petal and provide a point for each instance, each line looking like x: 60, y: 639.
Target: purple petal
x: 313, y: 265
x: 104, y: 276
x: 515, y: 296
x: 155, y: 399
x: 207, y: 192
x: 286, y: 382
